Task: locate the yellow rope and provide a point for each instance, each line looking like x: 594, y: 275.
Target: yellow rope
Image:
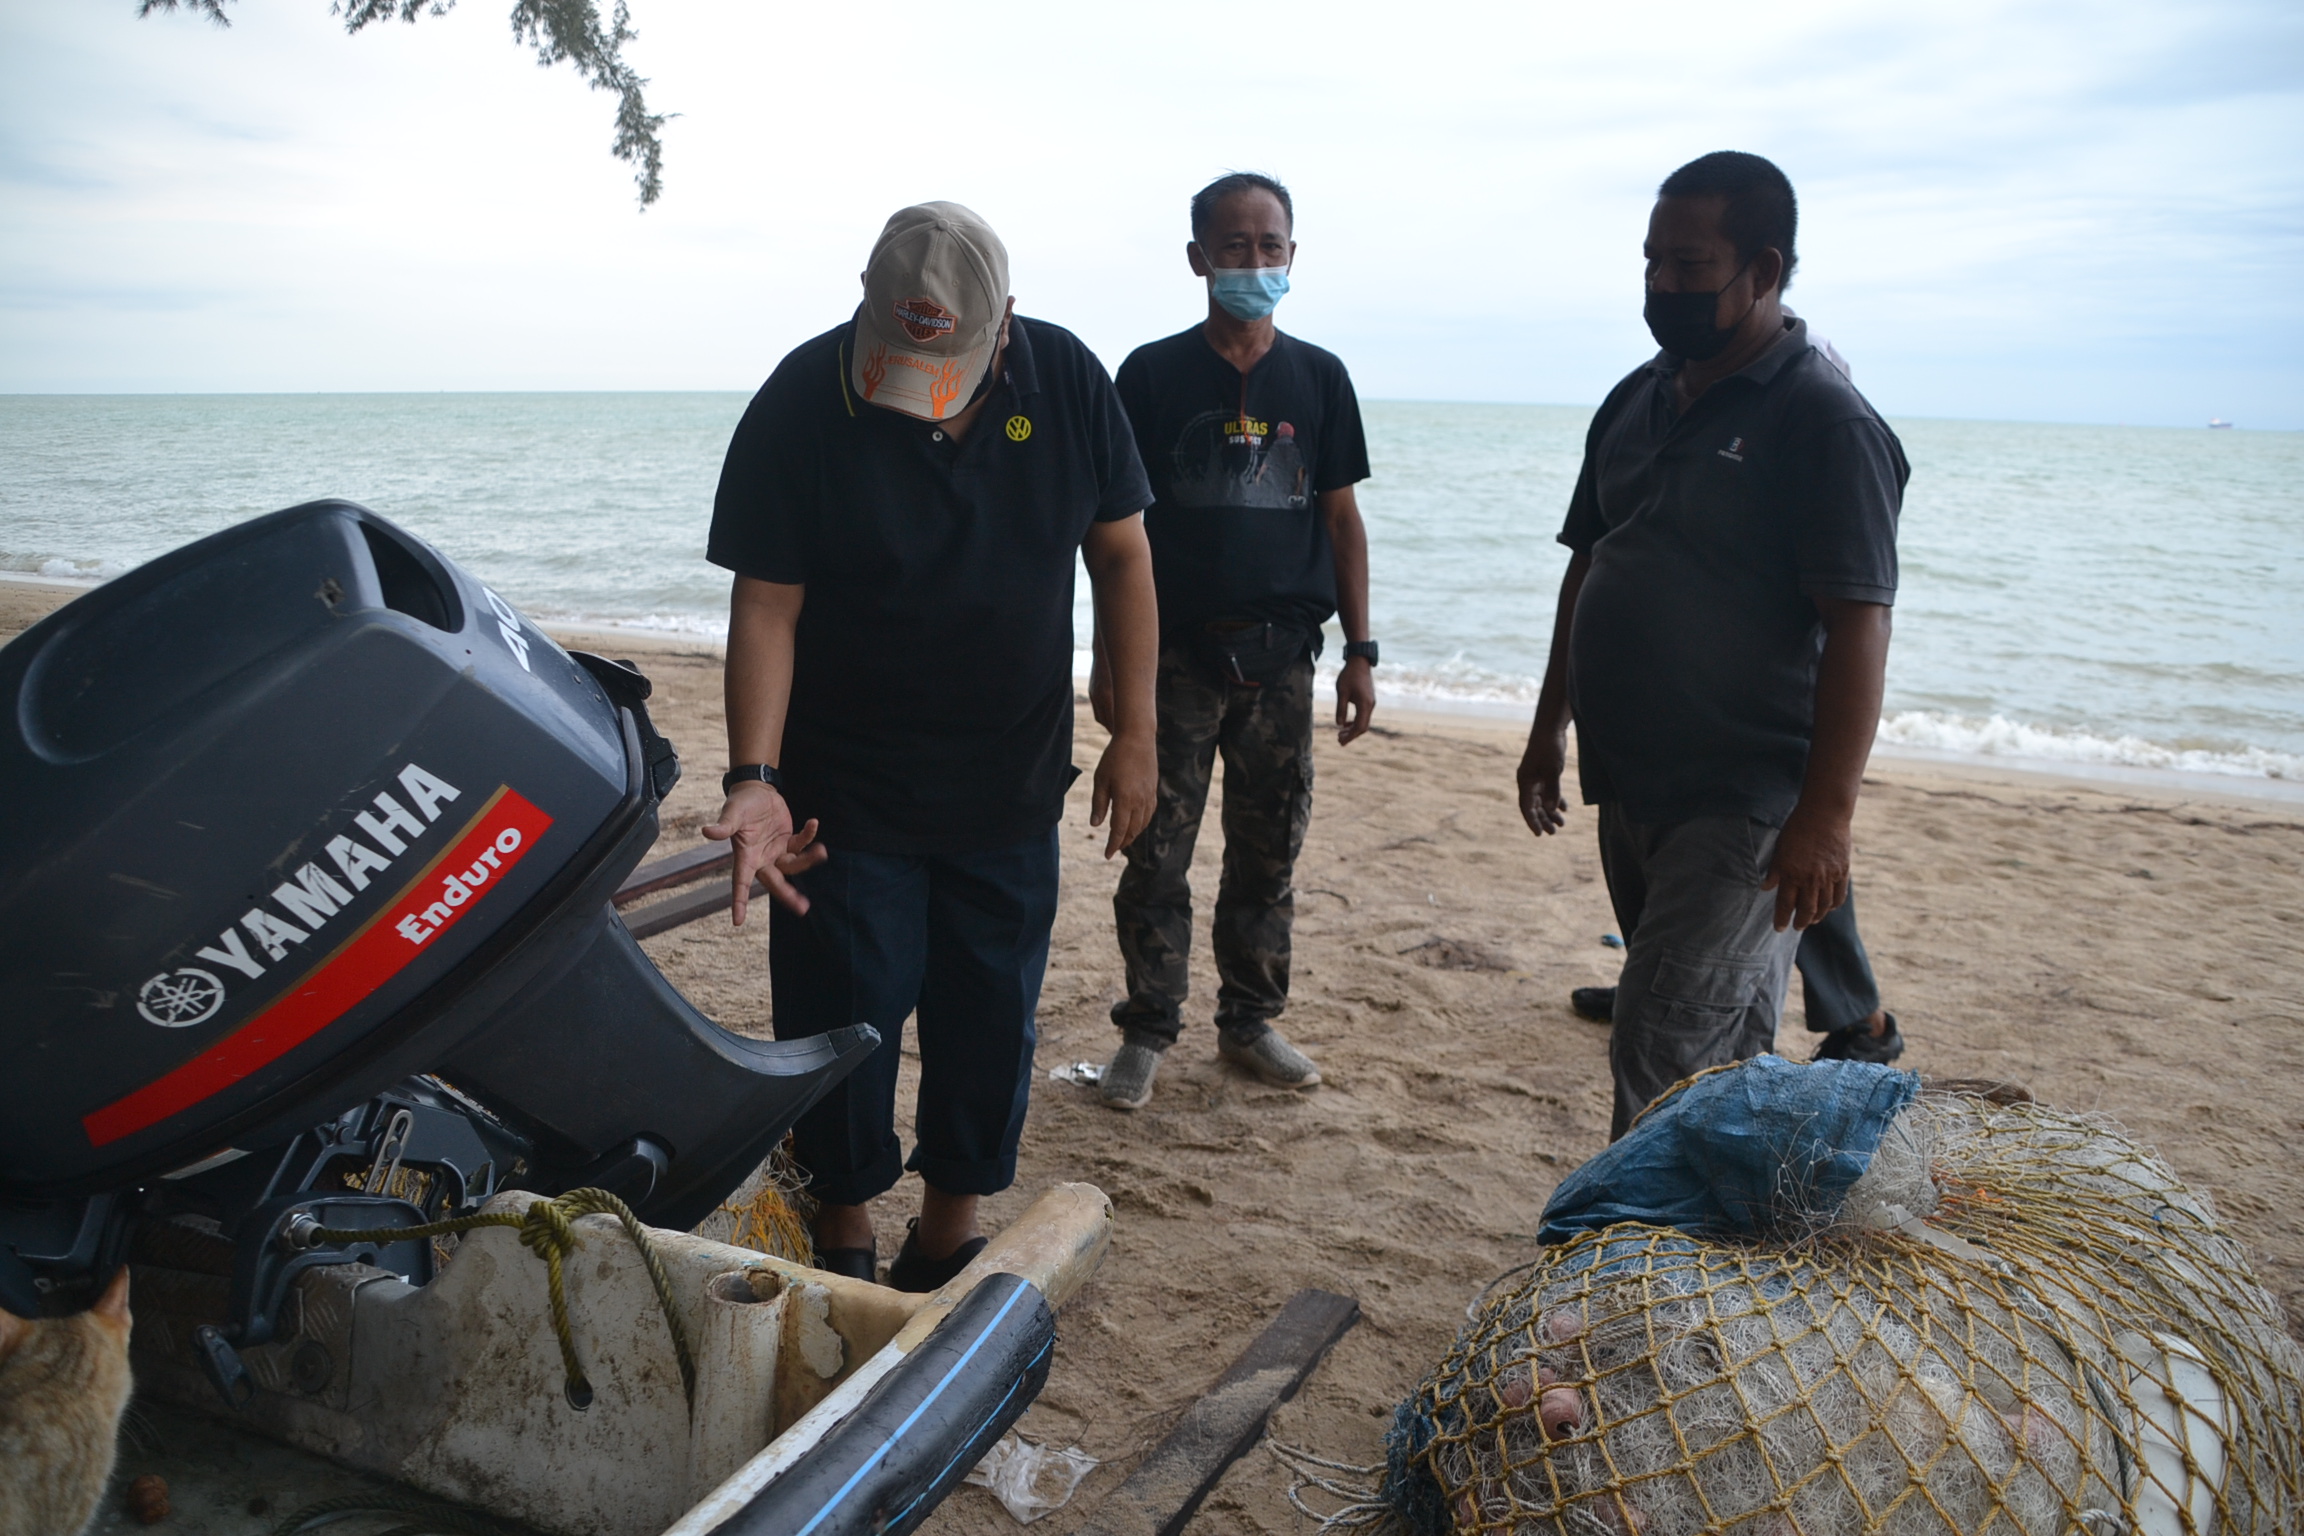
x: 767, y: 1224
x: 775, y: 1218
x: 548, y: 1230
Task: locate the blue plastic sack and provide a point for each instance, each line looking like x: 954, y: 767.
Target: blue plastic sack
x: 1750, y: 1151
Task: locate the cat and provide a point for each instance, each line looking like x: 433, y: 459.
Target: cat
x: 63, y: 1386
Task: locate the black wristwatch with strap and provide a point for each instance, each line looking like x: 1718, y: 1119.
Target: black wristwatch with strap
x: 748, y: 773
x: 1360, y: 650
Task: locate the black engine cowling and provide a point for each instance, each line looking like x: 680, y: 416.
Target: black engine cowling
x: 297, y: 813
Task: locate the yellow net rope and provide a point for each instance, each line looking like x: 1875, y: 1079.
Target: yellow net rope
x: 769, y: 1212
x: 2019, y: 1323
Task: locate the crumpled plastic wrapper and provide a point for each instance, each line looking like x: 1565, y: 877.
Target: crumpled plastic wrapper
x: 1030, y: 1480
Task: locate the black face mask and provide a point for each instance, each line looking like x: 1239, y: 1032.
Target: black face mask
x: 1682, y: 322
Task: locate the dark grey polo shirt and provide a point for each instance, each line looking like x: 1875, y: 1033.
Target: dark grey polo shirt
x: 1692, y: 657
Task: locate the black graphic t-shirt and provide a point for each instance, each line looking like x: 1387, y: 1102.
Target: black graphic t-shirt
x: 1238, y: 463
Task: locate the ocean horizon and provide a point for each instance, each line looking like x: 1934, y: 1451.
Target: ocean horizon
x: 2072, y: 593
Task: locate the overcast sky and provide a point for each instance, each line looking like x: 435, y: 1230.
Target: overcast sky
x: 2073, y: 212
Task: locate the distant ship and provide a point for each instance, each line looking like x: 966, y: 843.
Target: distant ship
x: 2220, y: 423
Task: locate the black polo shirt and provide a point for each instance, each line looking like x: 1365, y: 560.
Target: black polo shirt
x: 1692, y: 656
x: 932, y: 691
x: 1238, y: 463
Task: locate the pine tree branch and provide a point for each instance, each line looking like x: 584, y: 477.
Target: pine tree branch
x: 569, y: 31
x: 561, y: 31
x: 212, y: 9
x: 359, y: 13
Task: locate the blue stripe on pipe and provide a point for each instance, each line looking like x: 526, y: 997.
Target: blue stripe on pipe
x: 899, y: 1517
x: 937, y: 1391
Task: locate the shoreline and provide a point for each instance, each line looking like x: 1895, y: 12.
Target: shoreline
x: 1489, y: 718
x: 1481, y: 718
x: 2023, y: 773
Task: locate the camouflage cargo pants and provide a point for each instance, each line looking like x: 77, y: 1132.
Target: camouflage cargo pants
x: 1265, y: 736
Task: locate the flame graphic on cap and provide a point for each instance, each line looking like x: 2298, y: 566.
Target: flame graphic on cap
x: 875, y: 369
x: 945, y: 387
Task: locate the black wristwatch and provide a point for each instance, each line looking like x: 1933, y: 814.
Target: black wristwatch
x: 747, y: 773
x: 1357, y: 650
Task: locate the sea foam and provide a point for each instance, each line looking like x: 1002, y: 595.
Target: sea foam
x: 1999, y: 736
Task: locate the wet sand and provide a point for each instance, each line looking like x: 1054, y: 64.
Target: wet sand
x: 2120, y: 947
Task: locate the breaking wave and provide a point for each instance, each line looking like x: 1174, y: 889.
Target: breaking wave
x: 58, y: 568
x: 1999, y: 736
x: 702, y: 626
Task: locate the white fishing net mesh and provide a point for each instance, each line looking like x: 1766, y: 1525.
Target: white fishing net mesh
x: 2068, y: 1342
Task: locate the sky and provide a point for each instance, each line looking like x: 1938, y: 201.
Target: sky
x: 2088, y: 212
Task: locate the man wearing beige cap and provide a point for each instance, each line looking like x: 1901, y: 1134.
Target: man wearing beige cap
x: 902, y: 504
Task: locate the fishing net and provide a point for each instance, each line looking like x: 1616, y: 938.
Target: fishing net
x: 2013, y: 1322
x: 769, y: 1211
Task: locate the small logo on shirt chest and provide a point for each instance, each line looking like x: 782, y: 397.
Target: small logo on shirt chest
x: 1734, y: 450
x: 1019, y: 428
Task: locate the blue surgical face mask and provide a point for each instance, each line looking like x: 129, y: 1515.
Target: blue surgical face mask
x: 1247, y: 293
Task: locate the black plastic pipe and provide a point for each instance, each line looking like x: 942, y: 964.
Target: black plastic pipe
x: 914, y: 1437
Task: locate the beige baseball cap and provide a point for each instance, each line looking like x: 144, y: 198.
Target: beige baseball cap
x: 934, y: 294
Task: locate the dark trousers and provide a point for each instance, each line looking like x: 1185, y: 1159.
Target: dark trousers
x: 1704, y: 967
x: 961, y: 939
x: 1836, y: 981
x: 1265, y: 737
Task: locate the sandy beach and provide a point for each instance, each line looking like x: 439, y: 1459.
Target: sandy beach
x: 2119, y: 948
x: 2124, y: 948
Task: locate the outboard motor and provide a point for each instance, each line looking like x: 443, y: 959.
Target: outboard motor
x: 307, y: 840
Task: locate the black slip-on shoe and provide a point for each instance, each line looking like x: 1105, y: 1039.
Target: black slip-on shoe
x: 855, y: 1263
x: 1856, y: 1043
x: 1595, y: 1003
x: 912, y: 1272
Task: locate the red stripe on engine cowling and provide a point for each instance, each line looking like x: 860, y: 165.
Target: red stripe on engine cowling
x: 374, y: 954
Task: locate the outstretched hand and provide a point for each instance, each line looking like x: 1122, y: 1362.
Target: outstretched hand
x: 1809, y: 873
x: 757, y: 825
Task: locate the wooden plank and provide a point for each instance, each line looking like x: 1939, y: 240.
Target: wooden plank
x: 662, y: 916
x: 681, y: 868
x: 1164, y: 1491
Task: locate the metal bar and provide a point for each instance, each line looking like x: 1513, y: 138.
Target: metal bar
x: 681, y: 868
x: 663, y: 916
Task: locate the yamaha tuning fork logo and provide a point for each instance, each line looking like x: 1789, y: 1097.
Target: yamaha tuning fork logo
x: 180, y: 998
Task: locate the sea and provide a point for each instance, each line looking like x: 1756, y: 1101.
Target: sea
x: 2076, y: 595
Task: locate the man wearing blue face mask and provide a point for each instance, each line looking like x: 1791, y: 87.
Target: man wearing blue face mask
x: 1253, y: 442
x: 1721, y: 635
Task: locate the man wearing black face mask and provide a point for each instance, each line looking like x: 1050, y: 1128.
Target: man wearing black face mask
x: 1722, y: 632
